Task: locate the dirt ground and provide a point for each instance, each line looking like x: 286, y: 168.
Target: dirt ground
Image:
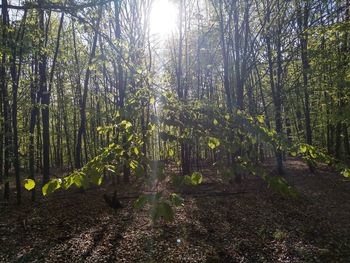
x: 253, y: 225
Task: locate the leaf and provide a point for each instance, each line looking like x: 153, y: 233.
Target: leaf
x: 78, y: 179
x: 96, y: 177
x: 176, y: 200
x: 303, y: 148
x: 171, y: 152
x: 213, y: 143
x: 152, y: 100
x: 133, y: 164
x: 29, y: 184
x: 215, y: 122
x: 260, y: 118
x: 280, y: 184
x: 67, y: 182
x: 151, y: 127
x: 187, y: 180
x: 346, y: 173
x: 51, y: 186
x: 293, y: 154
x: 126, y: 124
x: 312, y: 153
x: 136, y: 151
x: 141, y: 201
x: 196, y: 178
x: 162, y: 210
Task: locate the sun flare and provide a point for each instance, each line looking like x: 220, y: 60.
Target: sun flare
x: 163, y: 18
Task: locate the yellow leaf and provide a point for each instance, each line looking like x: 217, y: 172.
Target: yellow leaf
x: 29, y: 184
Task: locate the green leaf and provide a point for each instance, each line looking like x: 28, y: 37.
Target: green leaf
x: 293, y: 154
x: 78, y: 179
x: 171, y: 152
x: 133, y: 164
x: 29, y: 184
x: 136, y: 151
x: 141, y: 201
x: 162, y: 210
x: 187, y: 180
x: 312, y: 153
x: 213, y: 143
x: 260, y: 118
x: 126, y: 124
x: 67, y: 182
x: 51, y: 186
x: 346, y: 173
x: 176, y: 200
x: 96, y: 177
x: 196, y: 178
x: 152, y: 100
x: 303, y: 148
x: 280, y: 184
x: 215, y: 122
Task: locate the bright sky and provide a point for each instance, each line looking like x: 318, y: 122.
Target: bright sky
x: 163, y: 18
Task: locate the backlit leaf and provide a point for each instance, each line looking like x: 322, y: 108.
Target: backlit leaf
x: 136, y: 151
x: 29, y: 184
x: 346, y: 173
x: 51, y: 186
x: 196, y: 178
x: 260, y: 118
x: 213, y: 143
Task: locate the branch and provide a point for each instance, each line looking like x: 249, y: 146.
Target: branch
x: 58, y: 7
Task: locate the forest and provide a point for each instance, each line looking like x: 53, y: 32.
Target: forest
x: 175, y: 131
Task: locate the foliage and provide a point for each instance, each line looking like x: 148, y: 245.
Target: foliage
x: 29, y: 184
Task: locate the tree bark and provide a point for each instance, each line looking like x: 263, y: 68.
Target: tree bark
x: 82, y: 127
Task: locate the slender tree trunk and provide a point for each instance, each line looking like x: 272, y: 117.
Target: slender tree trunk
x: 82, y: 127
x: 225, y: 58
x: 15, y: 73
x: 45, y: 97
x: 275, y: 86
x: 303, y: 21
x: 34, y: 97
x: 346, y: 141
x: 5, y: 103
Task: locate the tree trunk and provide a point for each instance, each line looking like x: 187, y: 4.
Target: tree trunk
x: 82, y: 127
x: 302, y: 19
x: 45, y: 97
x: 15, y: 73
x: 5, y: 103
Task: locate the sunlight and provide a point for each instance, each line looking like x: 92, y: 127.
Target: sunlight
x: 163, y: 18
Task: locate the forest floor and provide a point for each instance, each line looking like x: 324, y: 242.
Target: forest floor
x: 253, y: 225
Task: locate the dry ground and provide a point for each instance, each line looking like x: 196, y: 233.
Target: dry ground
x: 257, y: 225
